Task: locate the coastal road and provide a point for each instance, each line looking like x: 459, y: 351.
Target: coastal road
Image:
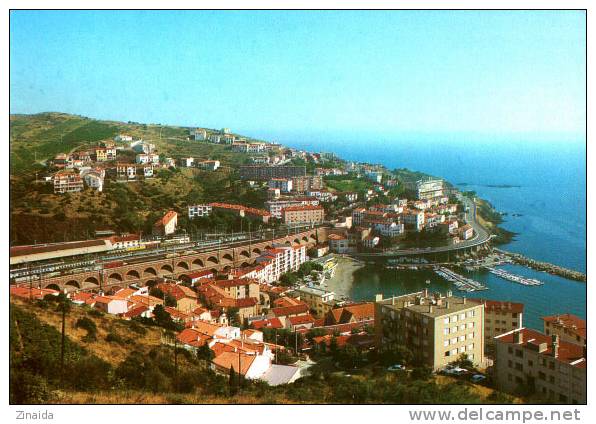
x: 480, y: 237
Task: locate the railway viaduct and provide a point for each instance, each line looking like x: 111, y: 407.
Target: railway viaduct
x: 144, y: 272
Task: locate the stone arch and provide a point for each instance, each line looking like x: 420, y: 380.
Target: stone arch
x: 212, y: 260
x: 214, y: 271
x: 296, y: 241
x: 288, y: 243
x: 115, y: 276
x: 305, y: 239
x: 198, y: 262
x: 150, y: 272
x: 245, y: 253
x: 166, y: 268
x: 73, y: 283
x: 151, y: 283
x: 183, y: 265
x: 53, y: 286
x: 245, y: 264
x: 228, y: 257
x: 184, y: 277
x: 133, y: 274
x: 91, y: 280
x: 227, y: 268
x: 256, y: 251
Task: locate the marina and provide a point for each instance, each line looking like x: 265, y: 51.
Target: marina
x: 515, y: 278
x: 459, y: 281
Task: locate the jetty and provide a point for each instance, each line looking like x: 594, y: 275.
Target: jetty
x: 544, y: 266
x: 459, y: 281
x: 513, y: 277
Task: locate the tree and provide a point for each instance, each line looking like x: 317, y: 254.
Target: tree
x: 170, y: 300
x: 288, y: 279
x: 232, y: 382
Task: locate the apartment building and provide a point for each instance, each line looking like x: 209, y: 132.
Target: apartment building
x: 275, y: 207
x: 533, y: 363
x: 283, y: 184
x: 126, y: 171
x: 67, y: 182
x: 199, y: 134
x: 239, y: 288
x: 267, y: 172
x: 94, y: 180
x: 437, y: 328
x: 144, y: 158
x: 499, y: 318
x: 209, y: 165
x: 570, y: 328
x: 302, y: 184
x: 195, y: 211
x: 429, y: 188
x: 413, y: 219
x: 282, y: 259
x: 303, y: 214
x: 319, y: 300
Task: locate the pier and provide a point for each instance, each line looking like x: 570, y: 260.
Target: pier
x: 461, y: 283
x: 544, y: 266
x: 515, y: 278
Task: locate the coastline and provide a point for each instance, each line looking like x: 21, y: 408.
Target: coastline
x: 343, y: 278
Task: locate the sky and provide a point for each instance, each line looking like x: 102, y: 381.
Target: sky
x: 281, y: 72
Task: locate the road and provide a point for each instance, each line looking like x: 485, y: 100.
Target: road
x: 480, y: 237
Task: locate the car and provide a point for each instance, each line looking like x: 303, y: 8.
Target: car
x: 455, y: 371
x: 396, y: 367
x: 477, y: 378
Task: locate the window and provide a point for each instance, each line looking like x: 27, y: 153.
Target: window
x: 471, y: 346
x: 470, y: 325
x: 462, y: 327
x: 462, y: 316
x: 519, y: 366
x: 462, y: 338
x: 453, y: 318
x: 462, y: 349
x: 519, y: 353
x: 471, y: 336
x: 470, y: 314
x: 446, y: 320
x: 446, y: 343
x: 453, y: 330
x: 510, y: 350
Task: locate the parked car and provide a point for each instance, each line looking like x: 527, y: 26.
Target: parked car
x: 455, y: 371
x: 477, y: 378
x: 396, y: 367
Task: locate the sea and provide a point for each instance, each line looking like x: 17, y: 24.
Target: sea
x: 539, y: 185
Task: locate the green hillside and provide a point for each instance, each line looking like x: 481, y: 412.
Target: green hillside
x: 38, y: 215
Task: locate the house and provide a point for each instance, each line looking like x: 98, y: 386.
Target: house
x: 101, y: 154
x: 143, y: 158
x: 127, y: 171
x: 199, y: 134
x: 94, y: 180
x: 286, y: 312
x: 570, y: 328
x: 300, y: 322
x: 31, y: 293
x: 209, y: 165
x: 123, y: 137
x: 111, y: 304
x: 466, y: 232
x: 67, y: 182
x: 370, y: 242
x: 338, y: 243
x: 318, y: 300
x: 281, y: 374
x: 274, y: 323
x: 186, y: 298
x: 196, y: 277
x: 303, y: 214
x: 187, y: 162
x: 251, y: 367
x: 360, y: 312
x: 167, y: 224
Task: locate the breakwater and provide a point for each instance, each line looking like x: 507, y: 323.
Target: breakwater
x: 544, y: 266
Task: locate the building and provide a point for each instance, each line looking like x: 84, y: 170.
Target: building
x: 242, y: 211
x: 570, y: 328
x: 195, y: 211
x: 338, y: 243
x: 94, y: 180
x: 319, y: 300
x: 144, y: 158
x: 302, y: 184
x: 282, y: 259
x: 142, y: 147
x: 167, y: 224
x: 499, y: 317
x: 413, y: 219
x: 427, y: 189
x: 267, y: 172
x: 303, y: 214
x: 123, y: 137
x: 199, y: 134
x: 187, y: 162
x: 438, y: 329
x: 67, y: 182
x: 126, y: 171
x: 529, y: 362
x: 208, y: 165
x: 101, y: 154
x: 275, y: 207
x: 374, y: 176
x: 466, y: 232
x: 283, y: 184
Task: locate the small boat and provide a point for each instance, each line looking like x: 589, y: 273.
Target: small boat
x: 427, y: 281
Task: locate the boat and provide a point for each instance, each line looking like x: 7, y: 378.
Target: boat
x: 427, y: 281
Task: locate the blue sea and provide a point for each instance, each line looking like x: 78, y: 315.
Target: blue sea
x: 545, y: 203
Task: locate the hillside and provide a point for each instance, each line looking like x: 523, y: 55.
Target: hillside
x: 125, y: 363
x: 39, y: 215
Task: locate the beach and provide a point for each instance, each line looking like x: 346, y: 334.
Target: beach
x: 342, y: 280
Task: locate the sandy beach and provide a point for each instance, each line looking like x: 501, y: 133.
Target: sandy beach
x: 342, y: 280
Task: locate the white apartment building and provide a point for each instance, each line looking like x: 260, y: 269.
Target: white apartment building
x: 143, y: 158
x: 283, y: 184
x: 283, y: 259
x: 275, y: 207
x: 195, y: 211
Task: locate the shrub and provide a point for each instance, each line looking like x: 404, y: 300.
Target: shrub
x: 115, y: 338
x: 95, y: 313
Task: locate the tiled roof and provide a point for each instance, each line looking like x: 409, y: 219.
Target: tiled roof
x: 497, y: 305
x: 569, y: 321
x: 290, y: 310
x: 267, y: 323
x: 568, y: 352
x: 239, y: 361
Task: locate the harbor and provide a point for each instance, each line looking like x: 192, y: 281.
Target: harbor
x: 459, y: 281
x: 514, y: 278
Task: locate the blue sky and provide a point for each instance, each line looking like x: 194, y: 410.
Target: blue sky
x: 442, y: 72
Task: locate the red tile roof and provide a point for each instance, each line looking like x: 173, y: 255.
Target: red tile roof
x: 290, y: 310
x: 569, y: 321
x: 497, y: 305
x: 267, y: 323
x: 301, y: 319
x: 568, y: 352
